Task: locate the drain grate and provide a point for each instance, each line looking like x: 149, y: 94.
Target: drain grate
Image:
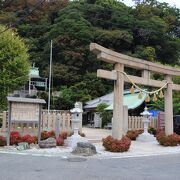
x: 38, y: 170
x: 76, y: 159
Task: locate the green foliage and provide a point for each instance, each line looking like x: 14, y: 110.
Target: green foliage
x: 122, y: 40
x: 14, y: 65
x: 159, y: 104
x: 149, y: 54
x: 105, y: 115
x: 150, y: 30
x: 68, y: 96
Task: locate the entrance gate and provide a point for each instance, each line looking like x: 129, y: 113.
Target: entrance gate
x: 119, y: 76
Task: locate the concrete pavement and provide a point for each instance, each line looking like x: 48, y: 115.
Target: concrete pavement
x: 16, y: 167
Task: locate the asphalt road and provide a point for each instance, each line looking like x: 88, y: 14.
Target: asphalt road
x: 19, y: 167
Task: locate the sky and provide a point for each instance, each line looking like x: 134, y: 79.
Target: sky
x: 171, y: 2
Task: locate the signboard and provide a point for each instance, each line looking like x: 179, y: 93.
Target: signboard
x: 24, y: 112
x: 161, y: 121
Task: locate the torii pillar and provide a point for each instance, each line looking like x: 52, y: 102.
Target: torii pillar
x: 118, y: 109
x: 117, y: 125
x: 168, y: 106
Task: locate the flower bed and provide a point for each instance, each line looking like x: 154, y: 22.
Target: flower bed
x: 115, y: 145
x: 170, y: 140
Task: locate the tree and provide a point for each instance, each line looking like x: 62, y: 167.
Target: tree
x: 14, y: 64
x: 104, y: 114
x: 150, y: 30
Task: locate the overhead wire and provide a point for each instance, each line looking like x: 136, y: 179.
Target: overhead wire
x: 23, y: 18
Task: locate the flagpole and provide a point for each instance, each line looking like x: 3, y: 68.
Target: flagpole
x: 50, y: 67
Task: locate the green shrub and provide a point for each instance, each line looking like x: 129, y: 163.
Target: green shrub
x: 105, y: 115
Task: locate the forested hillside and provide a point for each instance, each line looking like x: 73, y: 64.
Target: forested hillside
x: 150, y: 30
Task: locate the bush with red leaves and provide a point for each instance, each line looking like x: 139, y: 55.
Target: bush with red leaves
x: 29, y: 139
x: 170, y: 140
x: 63, y: 135
x: 47, y: 134
x: 2, y: 141
x: 133, y: 134
x: 15, y: 138
x: 115, y: 145
x: 60, y: 141
x: 51, y: 133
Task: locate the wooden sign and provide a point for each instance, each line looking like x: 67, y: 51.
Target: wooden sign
x: 24, y: 112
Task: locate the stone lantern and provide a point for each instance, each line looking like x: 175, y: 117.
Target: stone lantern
x: 76, y: 118
x: 145, y: 136
x: 76, y: 114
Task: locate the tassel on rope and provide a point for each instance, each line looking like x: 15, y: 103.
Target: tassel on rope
x: 140, y: 95
x: 161, y: 95
x: 155, y: 97
x: 132, y: 90
x: 148, y: 99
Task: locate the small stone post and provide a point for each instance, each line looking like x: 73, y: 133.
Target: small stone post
x: 57, y: 127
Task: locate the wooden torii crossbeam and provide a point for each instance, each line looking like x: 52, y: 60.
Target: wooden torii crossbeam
x: 120, y: 61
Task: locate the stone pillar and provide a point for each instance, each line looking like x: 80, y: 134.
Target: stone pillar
x: 4, y: 122
x: 39, y: 124
x: 9, y: 123
x: 125, y: 120
x: 168, y: 107
x: 81, y: 116
x: 117, y: 126
x: 57, y: 126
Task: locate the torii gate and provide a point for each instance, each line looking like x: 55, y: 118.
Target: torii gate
x: 120, y: 61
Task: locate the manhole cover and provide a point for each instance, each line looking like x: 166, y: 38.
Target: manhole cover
x: 76, y: 159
